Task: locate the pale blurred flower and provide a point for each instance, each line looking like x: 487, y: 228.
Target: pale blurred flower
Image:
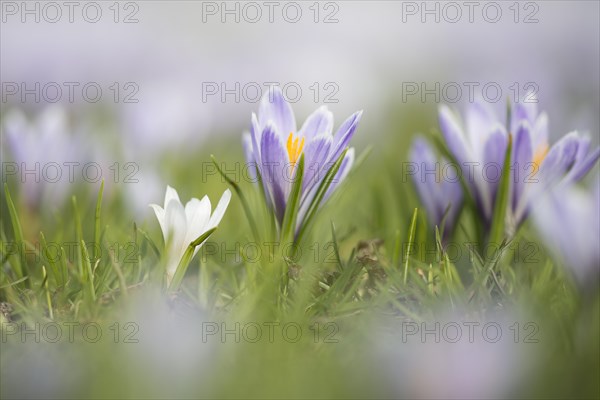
x: 458, y: 358
x: 568, y: 220
x: 48, y: 156
x: 152, y: 125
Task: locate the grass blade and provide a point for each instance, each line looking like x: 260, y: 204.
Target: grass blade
x: 411, y: 238
x: 185, y: 260
x: 88, y: 268
x: 288, y: 227
x: 240, y: 194
x: 314, y: 206
x: 21, y: 267
x: 497, y: 230
x: 97, y: 222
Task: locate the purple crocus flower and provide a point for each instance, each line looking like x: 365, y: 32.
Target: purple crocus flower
x: 536, y: 165
x: 484, y: 143
x: 437, y: 185
x: 275, y: 145
x: 568, y: 220
x: 481, y: 147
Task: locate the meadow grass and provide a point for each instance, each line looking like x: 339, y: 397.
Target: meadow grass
x: 369, y: 262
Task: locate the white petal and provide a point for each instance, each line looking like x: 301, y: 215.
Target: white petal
x: 177, y: 227
x: 170, y: 195
x: 197, y: 213
x: 160, y: 216
x: 220, y: 210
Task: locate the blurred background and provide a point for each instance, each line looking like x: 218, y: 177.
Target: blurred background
x: 146, y: 91
x: 174, y: 76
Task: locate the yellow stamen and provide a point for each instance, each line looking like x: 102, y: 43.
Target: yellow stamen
x: 294, y: 148
x: 539, y: 155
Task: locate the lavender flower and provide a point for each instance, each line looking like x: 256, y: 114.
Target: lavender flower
x: 568, y: 160
x: 481, y: 147
x: 485, y: 142
x: 275, y: 146
x: 437, y: 191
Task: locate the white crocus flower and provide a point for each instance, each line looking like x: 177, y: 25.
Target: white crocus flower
x: 181, y: 226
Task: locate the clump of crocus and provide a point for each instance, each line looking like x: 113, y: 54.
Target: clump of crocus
x: 440, y: 193
x: 184, y: 229
x: 299, y: 168
x: 480, y: 149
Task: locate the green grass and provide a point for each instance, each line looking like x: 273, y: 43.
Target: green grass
x: 368, y: 262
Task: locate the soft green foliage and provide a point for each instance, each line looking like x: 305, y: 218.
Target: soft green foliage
x: 364, y: 263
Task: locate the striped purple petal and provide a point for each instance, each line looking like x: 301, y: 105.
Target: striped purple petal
x: 316, y: 165
x: 274, y: 164
x: 424, y: 159
x: 559, y: 159
x: 344, y: 134
x: 342, y: 173
x: 454, y: 136
x: 522, y: 156
x: 584, y: 160
x: 523, y: 111
x: 487, y: 181
x: 275, y: 109
x: 480, y: 120
x: 319, y: 123
x: 249, y: 155
x: 339, y: 177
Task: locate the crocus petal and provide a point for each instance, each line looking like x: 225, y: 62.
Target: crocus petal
x: 450, y: 190
x: 255, y: 135
x: 319, y: 123
x: 339, y: 177
x: 582, y: 168
x: 424, y: 158
x: 454, y: 136
x: 275, y: 109
x: 569, y: 222
x: 540, y: 131
x: 197, y: 213
x: 177, y: 228
x: 488, y: 180
x: 171, y: 194
x: 524, y: 111
x: 584, y: 161
x: 344, y: 134
x: 316, y: 161
x: 249, y: 155
x: 521, y: 159
x: 560, y: 158
x: 248, y: 147
x: 274, y: 169
x: 480, y: 119
x: 160, y: 216
x: 342, y: 173
x: 219, y: 211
